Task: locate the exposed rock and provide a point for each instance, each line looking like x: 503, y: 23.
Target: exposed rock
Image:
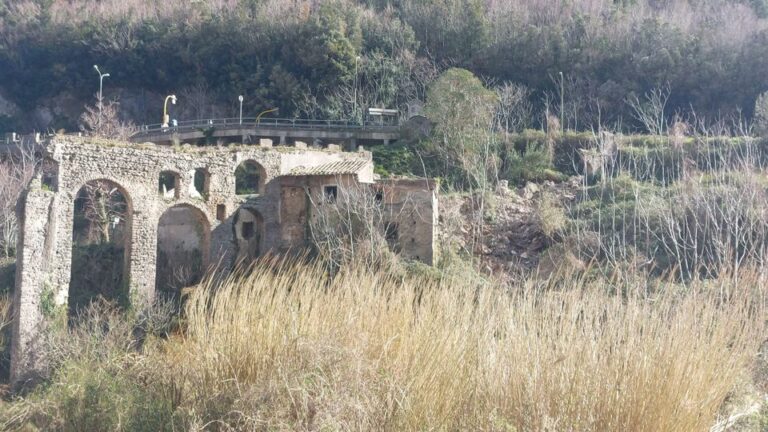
x: 530, y: 190
x: 511, y: 240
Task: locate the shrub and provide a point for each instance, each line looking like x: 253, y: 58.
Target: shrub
x: 551, y: 215
x: 532, y: 165
x: 395, y: 160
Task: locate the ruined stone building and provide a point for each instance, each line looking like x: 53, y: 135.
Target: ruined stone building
x: 191, y: 206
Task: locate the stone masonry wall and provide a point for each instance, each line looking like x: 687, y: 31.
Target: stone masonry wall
x: 276, y: 217
x: 46, y: 216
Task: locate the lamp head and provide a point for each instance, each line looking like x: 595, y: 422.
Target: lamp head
x: 105, y: 75
x: 240, y: 98
x: 173, y: 99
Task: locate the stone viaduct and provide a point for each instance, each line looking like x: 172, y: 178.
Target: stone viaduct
x: 185, y: 197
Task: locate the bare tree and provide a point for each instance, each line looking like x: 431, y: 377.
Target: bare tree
x: 702, y: 226
x: 351, y: 226
x: 514, y: 111
x: 104, y: 207
x: 200, y: 102
x: 105, y: 123
x: 16, y: 170
x: 651, y: 110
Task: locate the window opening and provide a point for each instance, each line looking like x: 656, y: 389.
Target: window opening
x: 248, y: 178
x: 168, y: 184
x: 330, y: 193
x: 200, y: 181
x: 247, y: 230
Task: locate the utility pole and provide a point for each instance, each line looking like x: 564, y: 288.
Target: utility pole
x: 101, y: 86
x: 240, y: 98
x: 562, y: 103
x: 355, y: 91
x: 165, y: 108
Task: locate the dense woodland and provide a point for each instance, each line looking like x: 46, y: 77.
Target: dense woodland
x: 313, y: 58
x: 603, y: 238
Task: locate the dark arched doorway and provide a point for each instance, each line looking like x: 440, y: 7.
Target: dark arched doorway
x: 183, y: 242
x: 101, y: 240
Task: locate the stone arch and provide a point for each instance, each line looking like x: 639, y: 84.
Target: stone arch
x: 250, y: 178
x: 183, y: 245
x: 248, y: 229
x: 101, y: 243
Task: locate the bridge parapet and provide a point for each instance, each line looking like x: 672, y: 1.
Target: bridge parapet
x: 334, y: 131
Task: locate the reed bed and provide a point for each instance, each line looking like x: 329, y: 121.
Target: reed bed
x: 373, y: 351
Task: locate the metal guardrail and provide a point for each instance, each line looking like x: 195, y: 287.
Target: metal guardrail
x: 301, y: 124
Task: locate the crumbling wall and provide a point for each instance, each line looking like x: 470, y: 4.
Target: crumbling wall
x: 46, y: 215
x: 203, y: 181
x: 410, y: 212
x: 36, y: 226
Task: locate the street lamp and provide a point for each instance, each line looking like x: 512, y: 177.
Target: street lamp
x: 357, y: 59
x: 240, y: 98
x: 101, y: 85
x: 562, y: 103
x: 258, y: 117
x: 165, y: 109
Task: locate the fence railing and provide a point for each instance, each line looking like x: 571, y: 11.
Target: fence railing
x: 301, y: 124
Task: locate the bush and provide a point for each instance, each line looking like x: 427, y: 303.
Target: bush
x: 395, y: 160
x: 533, y: 164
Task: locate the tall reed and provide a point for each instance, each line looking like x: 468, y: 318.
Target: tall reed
x: 368, y: 350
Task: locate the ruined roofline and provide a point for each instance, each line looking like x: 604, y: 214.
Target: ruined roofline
x: 431, y: 182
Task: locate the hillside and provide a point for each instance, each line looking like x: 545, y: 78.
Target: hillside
x: 333, y: 58
x: 589, y: 251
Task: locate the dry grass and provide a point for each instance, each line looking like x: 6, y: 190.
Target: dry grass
x: 369, y: 351
x: 288, y: 348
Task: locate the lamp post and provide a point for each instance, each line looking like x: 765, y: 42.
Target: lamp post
x: 101, y: 85
x: 165, y: 109
x: 357, y: 58
x: 240, y: 98
x: 562, y: 103
x: 258, y: 117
